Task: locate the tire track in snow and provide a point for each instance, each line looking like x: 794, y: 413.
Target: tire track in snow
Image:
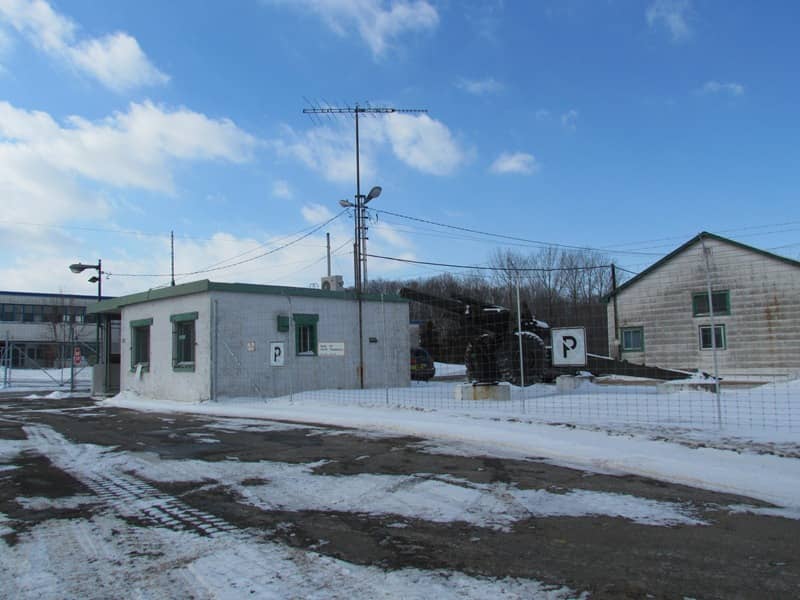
x: 126, y: 494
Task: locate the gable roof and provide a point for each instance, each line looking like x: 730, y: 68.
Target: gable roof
x: 113, y: 305
x: 703, y: 235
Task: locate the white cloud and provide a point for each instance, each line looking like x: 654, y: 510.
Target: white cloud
x: 671, y: 14
x: 417, y: 140
x: 316, y: 213
x: 115, y: 60
x: 569, y: 120
x: 516, y: 163
x: 43, y: 164
x: 480, y: 87
x: 424, y: 143
x: 327, y: 150
x: 376, y: 21
x: 281, y: 189
x: 716, y: 87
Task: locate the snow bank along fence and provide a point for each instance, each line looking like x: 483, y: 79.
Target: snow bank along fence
x: 709, y: 336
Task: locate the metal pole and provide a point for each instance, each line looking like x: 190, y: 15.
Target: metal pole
x: 359, y: 287
x: 617, y: 353
x: 519, y: 339
x: 328, y: 240
x: 172, y: 255
x: 97, y: 316
x: 713, y: 331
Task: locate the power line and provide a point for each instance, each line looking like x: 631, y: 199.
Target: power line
x: 236, y: 264
x: 480, y: 268
x: 505, y: 237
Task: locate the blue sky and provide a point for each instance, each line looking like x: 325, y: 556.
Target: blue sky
x: 623, y: 126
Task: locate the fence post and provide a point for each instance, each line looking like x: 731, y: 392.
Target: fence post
x: 72, y: 360
x: 706, y: 252
x: 519, y: 342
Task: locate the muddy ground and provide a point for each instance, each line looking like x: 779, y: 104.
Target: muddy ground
x: 736, y: 555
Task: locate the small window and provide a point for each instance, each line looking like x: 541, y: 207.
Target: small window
x: 720, y: 301
x: 720, y: 337
x: 183, y: 341
x: 140, y: 343
x: 633, y: 339
x: 305, y: 327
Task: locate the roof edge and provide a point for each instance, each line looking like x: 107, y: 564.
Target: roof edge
x: 197, y: 287
x: 699, y: 237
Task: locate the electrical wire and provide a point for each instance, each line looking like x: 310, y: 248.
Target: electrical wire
x: 236, y: 264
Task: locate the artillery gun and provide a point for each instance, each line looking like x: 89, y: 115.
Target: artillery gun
x: 494, y: 340
x: 492, y: 352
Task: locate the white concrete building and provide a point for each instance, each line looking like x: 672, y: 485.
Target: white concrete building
x: 206, y: 340
x: 663, y: 317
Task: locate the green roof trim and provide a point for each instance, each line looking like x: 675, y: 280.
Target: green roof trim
x: 703, y: 235
x: 113, y: 305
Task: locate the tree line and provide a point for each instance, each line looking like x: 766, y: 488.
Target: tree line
x: 560, y: 286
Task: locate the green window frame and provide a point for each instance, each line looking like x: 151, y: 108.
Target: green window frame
x: 305, y: 334
x: 721, y: 336
x: 184, y: 341
x: 632, y: 339
x: 140, y: 343
x: 720, y: 301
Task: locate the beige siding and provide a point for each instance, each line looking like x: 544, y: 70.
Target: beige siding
x: 763, y: 327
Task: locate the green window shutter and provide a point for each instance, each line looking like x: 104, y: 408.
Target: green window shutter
x: 283, y: 323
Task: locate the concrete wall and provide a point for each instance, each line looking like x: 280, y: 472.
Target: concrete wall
x: 245, y: 324
x: 763, y: 328
x: 161, y: 381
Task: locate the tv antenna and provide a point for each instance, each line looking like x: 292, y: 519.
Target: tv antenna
x: 360, y: 244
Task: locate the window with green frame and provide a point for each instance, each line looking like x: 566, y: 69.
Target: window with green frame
x: 632, y: 339
x: 140, y: 343
x: 720, y: 337
x: 305, y: 334
x: 720, y: 301
x: 183, y: 341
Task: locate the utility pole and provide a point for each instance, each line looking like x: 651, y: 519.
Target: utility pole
x: 360, y: 243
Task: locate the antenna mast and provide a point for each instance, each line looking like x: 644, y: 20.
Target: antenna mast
x: 360, y: 243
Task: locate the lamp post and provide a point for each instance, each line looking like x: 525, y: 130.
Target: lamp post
x: 98, y: 279
x: 360, y: 261
x: 360, y: 245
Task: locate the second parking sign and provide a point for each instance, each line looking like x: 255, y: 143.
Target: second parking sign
x: 569, y: 347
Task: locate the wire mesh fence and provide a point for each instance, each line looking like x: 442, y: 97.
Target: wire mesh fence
x: 46, y: 365
x: 707, y: 337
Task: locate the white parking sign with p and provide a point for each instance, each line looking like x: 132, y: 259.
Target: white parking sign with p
x: 569, y: 347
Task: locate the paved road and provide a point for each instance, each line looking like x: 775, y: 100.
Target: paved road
x: 725, y: 554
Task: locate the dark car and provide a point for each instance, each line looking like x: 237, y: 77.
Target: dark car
x: 422, y: 368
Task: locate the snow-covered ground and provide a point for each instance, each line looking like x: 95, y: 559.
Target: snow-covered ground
x: 759, y: 463
x: 617, y: 429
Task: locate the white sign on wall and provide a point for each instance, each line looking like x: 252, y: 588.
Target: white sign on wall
x: 330, y: 349
x: 569, y: 346
x: 277, y: 351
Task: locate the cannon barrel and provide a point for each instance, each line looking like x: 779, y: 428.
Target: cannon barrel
x: 450, y: 305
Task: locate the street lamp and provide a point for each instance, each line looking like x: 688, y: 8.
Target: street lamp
x: 360, y: 245
x: 98, y: 279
